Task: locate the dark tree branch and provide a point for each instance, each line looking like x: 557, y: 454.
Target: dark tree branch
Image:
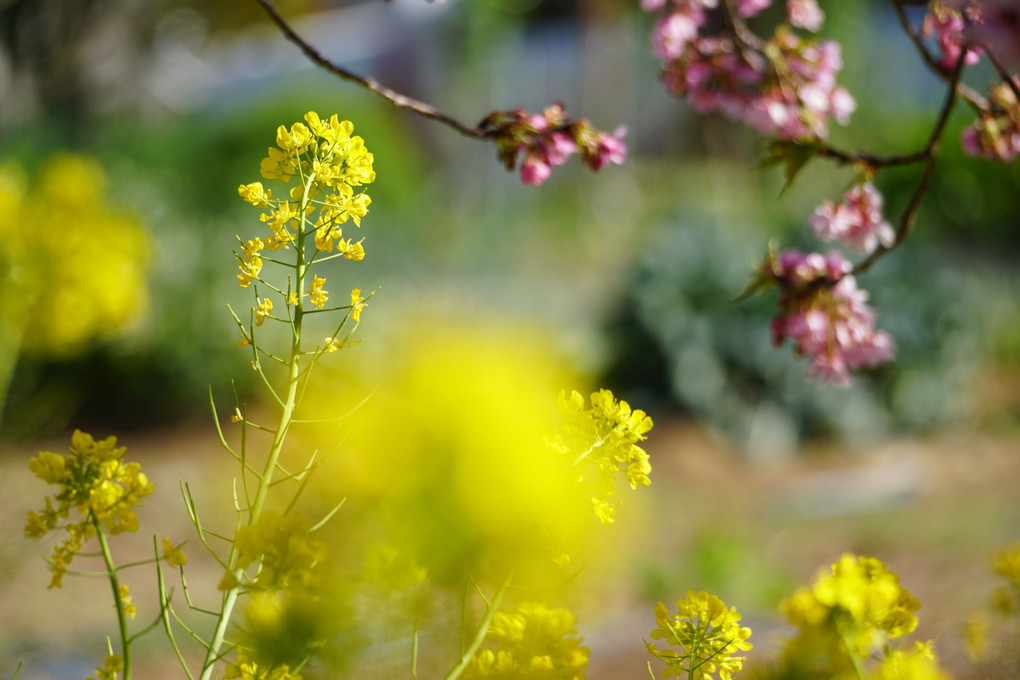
x: 393, y: 97
x: 1004, y: 73
x: 969, y: 94
x: 930, y: 152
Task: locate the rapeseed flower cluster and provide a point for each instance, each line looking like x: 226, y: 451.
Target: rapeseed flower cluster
x: 95, y: 481
x: 919, y: 663
x: 848, y: 616
x: 707, y: 637
x: 283, y: 548
x: 332, y: 166
x: 112, y: 665
x: 246, y: 668
x: 861, y: 599
x: 603, y: 440
x: 987, y: 634
x: 1006, y: 564
x: 533, y: 641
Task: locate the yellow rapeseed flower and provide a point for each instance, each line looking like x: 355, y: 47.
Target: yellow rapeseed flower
x: 316, y: 294
x: 95, y: 481
x: 130, y: 610
x: 173, y: 555
x: 255, y: 194
x: 283, y: 548
x: 602, y: 441
x: 263, y: 310
x: 532, y: 641
x: 357, y: 304
x: 703, y: 637
x: 112, y: 665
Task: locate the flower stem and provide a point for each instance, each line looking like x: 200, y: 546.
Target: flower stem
x: 483, y: 630
x: 265, y: 480
x: 111, y: 572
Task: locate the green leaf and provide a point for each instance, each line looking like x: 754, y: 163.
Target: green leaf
x: 763, y: 278
x: 791, y: 153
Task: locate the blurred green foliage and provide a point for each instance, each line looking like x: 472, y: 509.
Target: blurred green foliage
x: 445, y: 214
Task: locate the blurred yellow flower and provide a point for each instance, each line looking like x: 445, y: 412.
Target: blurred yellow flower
x: 533, y: 641
x: 602, y: 441
x: 78, y: 271
x: 283, y: 548
x: 174, y: 556
x: 130, y: 610
x: 451, y: 447
x: 112, y: 665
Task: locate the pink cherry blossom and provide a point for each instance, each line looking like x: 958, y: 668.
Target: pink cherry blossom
x: 856, y: 220
x: 748, y: 8
x: 672, y: 32
x: 995, y: 135
x: 826, y: 316
x: 947, y: 25
x: 558, y: 148
x: 608, y: 149
x: 805, y: 14
x: 548, y: 139
x: 534, y: 170
x: 999, y: 29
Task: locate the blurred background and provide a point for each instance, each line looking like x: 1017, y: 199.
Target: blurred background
x: 127, y: 125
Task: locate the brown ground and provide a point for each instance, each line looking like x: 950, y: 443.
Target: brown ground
x: 932, y: 509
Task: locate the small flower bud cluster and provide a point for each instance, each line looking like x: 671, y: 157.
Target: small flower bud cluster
x: 97, y: 483
x: 948, y: 25
x: 856, y: 220
x: 826, y: 316
x: 996, y: 134
x: 786, y: 87
x: 548, y: 139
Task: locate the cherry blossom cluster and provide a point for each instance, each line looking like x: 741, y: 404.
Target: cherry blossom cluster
x: 825, y: 315
x: 784, y: 87
x: 856, y: 220
x: 548, y: 139
x: 974, y: 25
x: 995, y: 24
x: 947, y: 25
x: 996, y: 134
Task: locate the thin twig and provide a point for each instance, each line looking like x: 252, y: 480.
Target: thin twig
x: 1004, y: 73
x: 968, y: 94
x: 872, y: 160
x: 393, y: 97
x: 930, y: 151
x: 742, y: 35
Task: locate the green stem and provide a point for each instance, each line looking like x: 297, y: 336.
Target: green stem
x: 111, y: 570
x: 265, y: 481
x: 483, y: 630
x: 858, y: 668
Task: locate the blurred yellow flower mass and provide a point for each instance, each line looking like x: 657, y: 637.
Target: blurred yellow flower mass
x: 72, y: 267
x: 453, y: 444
